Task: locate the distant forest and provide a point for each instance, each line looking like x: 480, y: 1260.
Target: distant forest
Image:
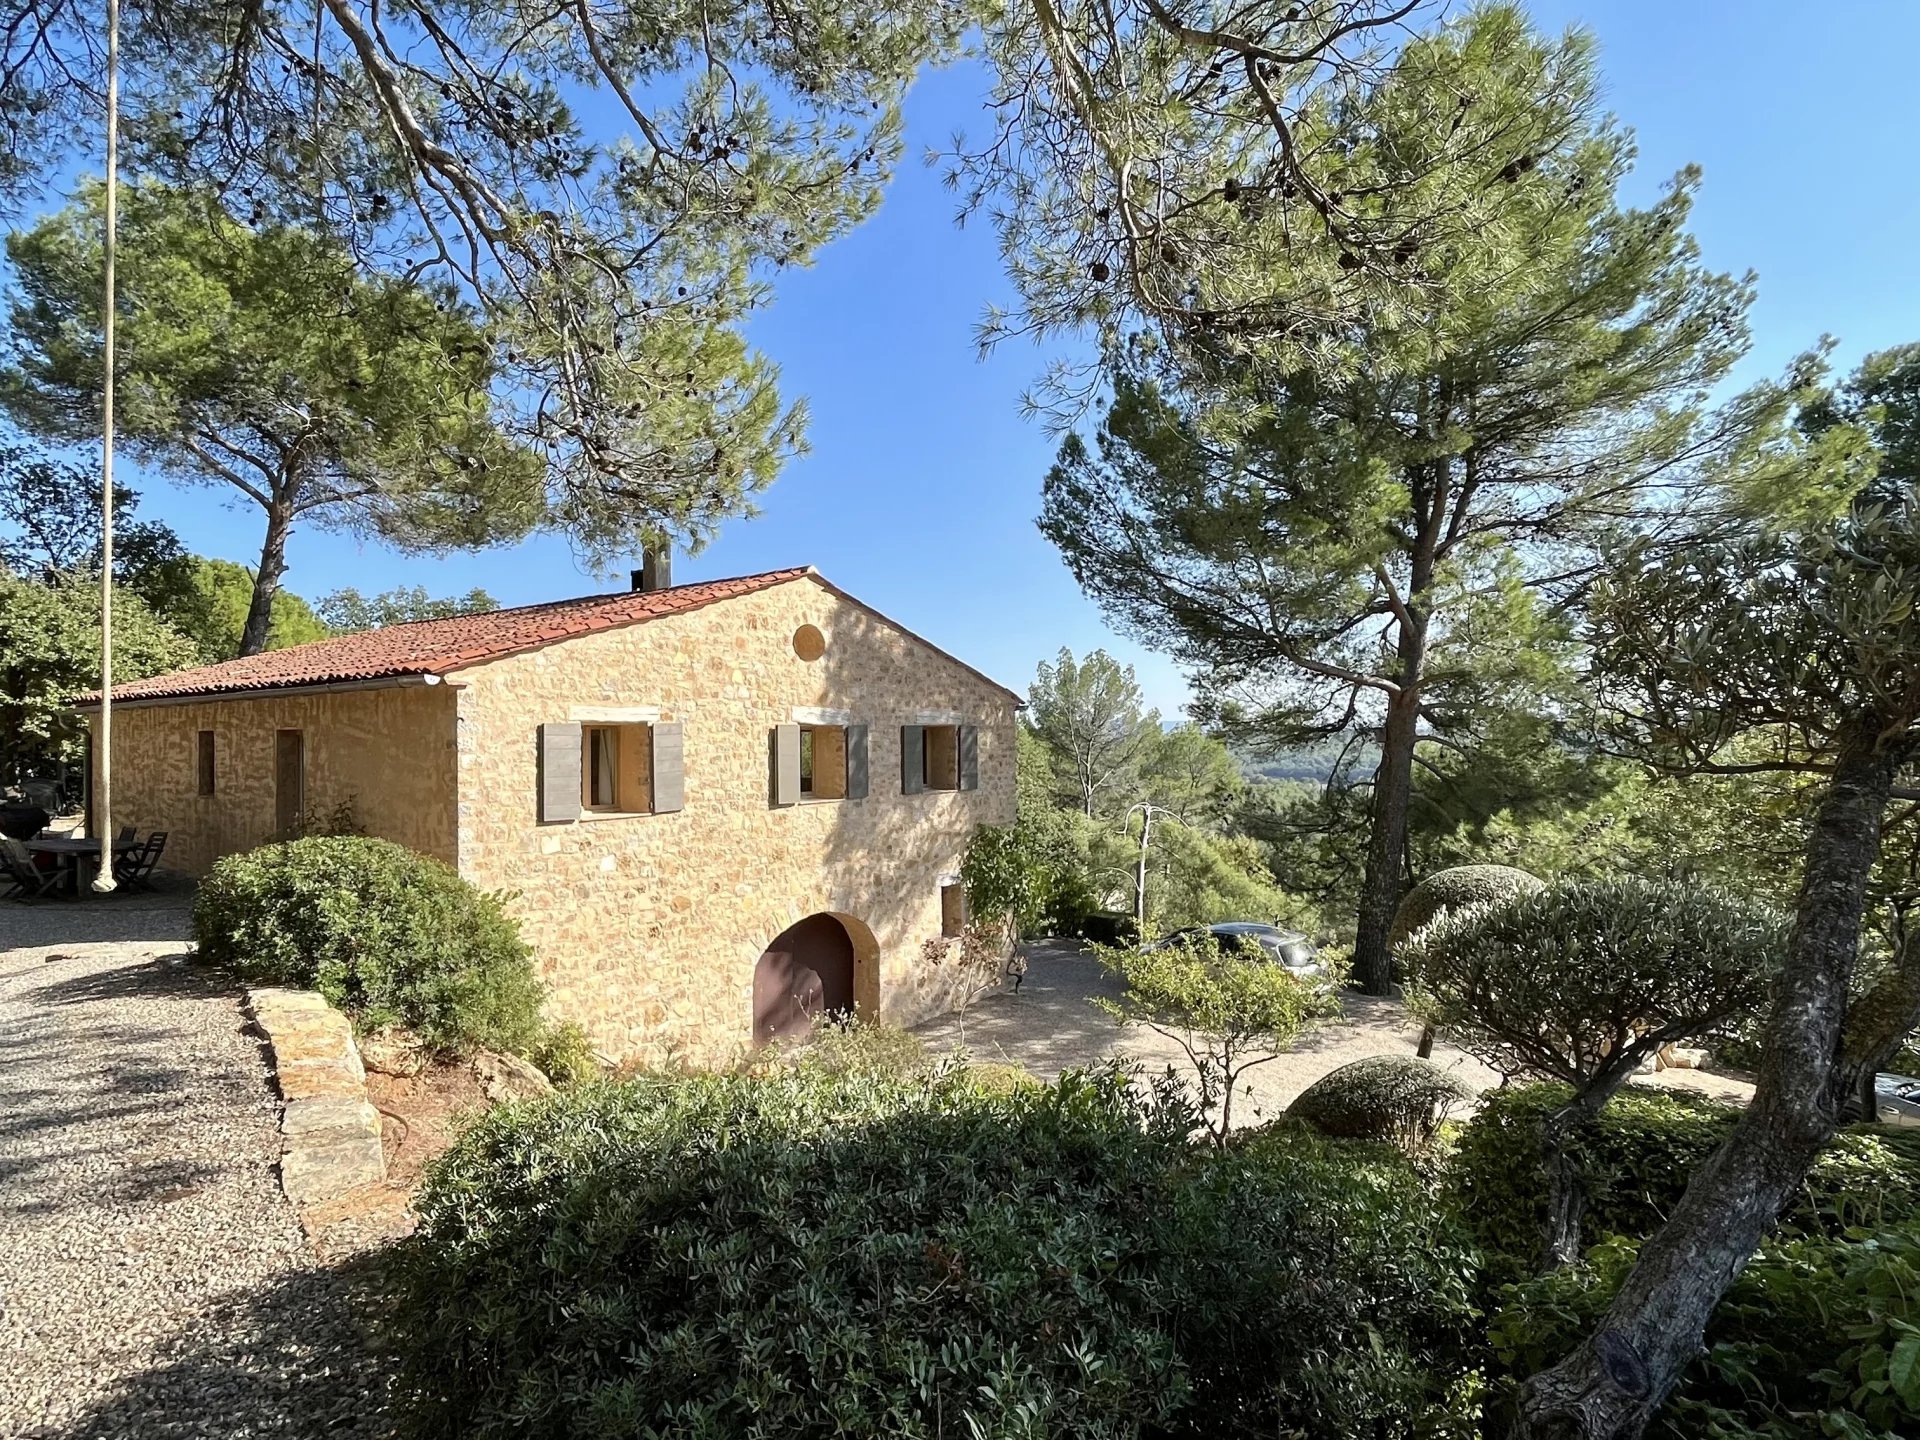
x: 1313, y: 762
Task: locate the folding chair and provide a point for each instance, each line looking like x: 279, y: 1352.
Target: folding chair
x: 24, y: 879
x: 135, y: 868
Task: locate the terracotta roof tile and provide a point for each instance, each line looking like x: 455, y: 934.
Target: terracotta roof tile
x: 434, y: 647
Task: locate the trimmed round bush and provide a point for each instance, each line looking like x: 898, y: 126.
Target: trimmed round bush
x: 803, y: 1255
x: 1638, y: 1155
x: 1456, y: 889
x: 385, y: 933
x: 1400, y: 1099
x: 1582, y: 979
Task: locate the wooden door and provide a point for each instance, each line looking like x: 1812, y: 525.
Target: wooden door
x: 804, y: 975
x: 289, y: 782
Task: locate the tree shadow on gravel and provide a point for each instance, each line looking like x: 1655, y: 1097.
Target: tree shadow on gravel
x: 300, y: 1357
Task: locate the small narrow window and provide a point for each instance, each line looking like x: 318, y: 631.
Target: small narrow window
x: 204, y: 762
x: 953, y: 909
x: 603, y: 767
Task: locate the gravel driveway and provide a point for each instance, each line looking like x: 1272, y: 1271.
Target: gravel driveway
x: 153, y: 1280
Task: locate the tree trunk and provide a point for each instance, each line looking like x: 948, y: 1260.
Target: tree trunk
x: 266, y: 580
x: 1386, y: 844
x: 1611, y: 1386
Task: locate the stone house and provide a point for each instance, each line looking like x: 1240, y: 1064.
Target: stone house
x: 722, y: 808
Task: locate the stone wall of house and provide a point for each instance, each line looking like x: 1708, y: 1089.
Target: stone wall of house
x: 649, y: 926
x: 388, y: 754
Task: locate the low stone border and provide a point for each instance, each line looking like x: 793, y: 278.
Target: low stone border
x: 329, y: 1132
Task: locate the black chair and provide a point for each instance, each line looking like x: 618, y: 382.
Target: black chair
x: 24, y: 879
x: 135, y: 868
x: 126, y: 836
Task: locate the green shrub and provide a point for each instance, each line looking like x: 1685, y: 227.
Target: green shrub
x: 1580, y: 980
x: 797, y: 1255
x: 1456, y: 889
x: 864, y: 1047
x: 564, y: 1054
x: 1819, y: 1335
x: 1228, y: 1012
x: 386, y: 934
x: 1638, y: 1156
x: 1401, y: 1099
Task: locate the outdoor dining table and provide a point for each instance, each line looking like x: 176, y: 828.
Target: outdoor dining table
x: 75, y: 856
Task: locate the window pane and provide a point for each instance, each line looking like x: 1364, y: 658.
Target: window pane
x: 602, y: 766
x: 806, y: 760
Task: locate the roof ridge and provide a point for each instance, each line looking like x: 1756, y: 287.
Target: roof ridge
x: 395, y: 651
x: 532, y: 605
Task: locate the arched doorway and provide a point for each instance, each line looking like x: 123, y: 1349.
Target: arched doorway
x: 806, y: 973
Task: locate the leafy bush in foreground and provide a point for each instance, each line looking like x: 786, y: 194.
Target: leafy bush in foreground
x: 802, y: 1254
x: 1638, y: 1156
x: 1817, y: 1336
x: 388, y: 935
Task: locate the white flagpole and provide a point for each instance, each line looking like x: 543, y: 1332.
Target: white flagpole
x: 103, y: 880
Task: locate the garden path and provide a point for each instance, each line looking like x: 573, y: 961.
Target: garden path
x: 153, y: 1281
x: 1051, y: 1024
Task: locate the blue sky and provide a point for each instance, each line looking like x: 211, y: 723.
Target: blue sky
x: 922, y: 484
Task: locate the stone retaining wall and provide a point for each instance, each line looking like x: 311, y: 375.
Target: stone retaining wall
x: 329, y: 1131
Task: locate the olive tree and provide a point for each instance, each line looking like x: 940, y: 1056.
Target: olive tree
x: 1583, y: 982
x: 1229, y: 1013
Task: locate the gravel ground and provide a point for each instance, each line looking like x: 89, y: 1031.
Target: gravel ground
x: 1051, y: 1024
x: 153, y: 1280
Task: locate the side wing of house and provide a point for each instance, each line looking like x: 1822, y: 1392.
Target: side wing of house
x: 671, y: 798
x: 225, y: 774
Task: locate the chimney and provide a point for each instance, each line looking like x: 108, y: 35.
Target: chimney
x: 655, y: 572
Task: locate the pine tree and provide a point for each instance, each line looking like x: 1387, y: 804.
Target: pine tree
x: 1377, y: 520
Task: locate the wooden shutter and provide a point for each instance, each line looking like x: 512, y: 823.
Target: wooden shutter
x: 913, y: 759
x: 857, y: 781
x: 969, y: 738
x: 786, y: 765
x: 669, y: 766
x: 559, y: 773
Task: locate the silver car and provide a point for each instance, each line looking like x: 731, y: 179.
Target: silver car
x: 1284, y: 947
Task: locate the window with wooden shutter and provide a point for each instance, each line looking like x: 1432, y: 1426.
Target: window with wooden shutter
x: 559, y: 772
x: 857, y: 770
x: 939, y: 750
x: 823, y: 762
x: 913, y: 759
x: 969, y: 737
x: 616, y: 769
x: 785, y: 757
x: 669, y: 766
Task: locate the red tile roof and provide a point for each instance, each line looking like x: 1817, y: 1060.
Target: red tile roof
x: 435, y: 647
